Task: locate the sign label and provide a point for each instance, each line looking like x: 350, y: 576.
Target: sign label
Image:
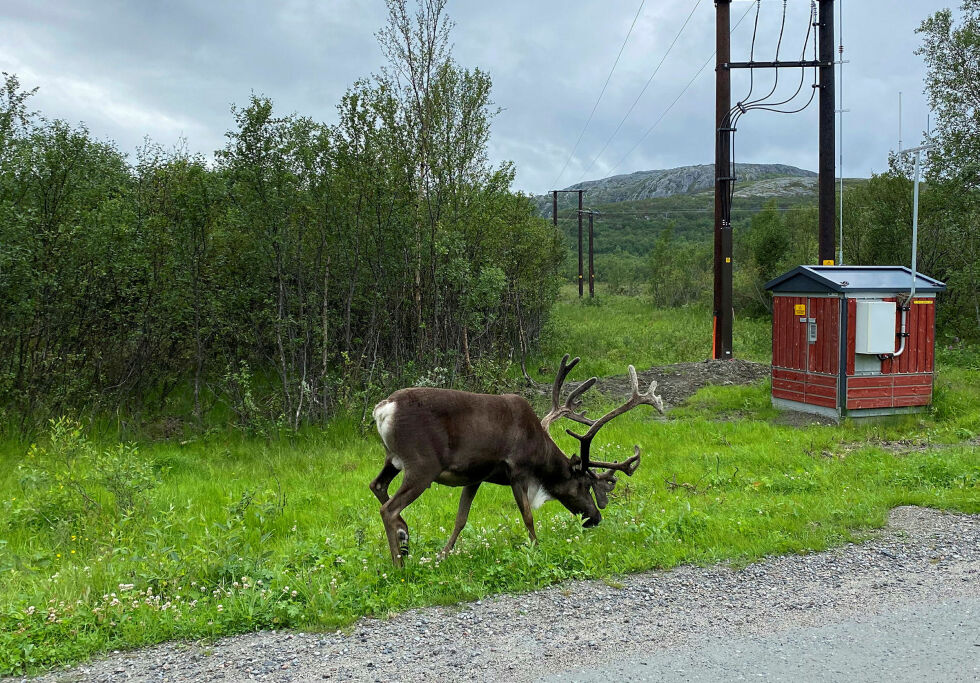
x: 799, y: 309
x: 828, y: 262
x: 922, y: 301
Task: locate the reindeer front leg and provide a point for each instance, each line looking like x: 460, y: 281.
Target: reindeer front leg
x: 524, y: 505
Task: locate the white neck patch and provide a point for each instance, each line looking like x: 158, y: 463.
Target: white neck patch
x: 537, y: 495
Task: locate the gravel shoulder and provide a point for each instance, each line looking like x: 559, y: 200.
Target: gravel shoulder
x: 923, y: 562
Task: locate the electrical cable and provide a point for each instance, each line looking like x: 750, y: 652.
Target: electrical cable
x: 755, y: 29
x: 767, y: 106
x: 643, y: 90
x: 760, y: 104
x: 601, y: 93
x: 671, y: 105
x: 775, y: 82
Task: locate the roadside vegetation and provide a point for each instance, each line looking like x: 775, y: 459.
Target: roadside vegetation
x: 189, y: 352
x: 107, y: 545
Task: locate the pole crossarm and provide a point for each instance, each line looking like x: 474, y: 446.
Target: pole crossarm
x: 920, y: 148
x: 774, y: 65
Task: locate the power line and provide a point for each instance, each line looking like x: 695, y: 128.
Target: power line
x: 643, y: 90
x: 601, y: 93
x: 671, y: 106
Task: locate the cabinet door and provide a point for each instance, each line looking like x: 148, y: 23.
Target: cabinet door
x: 789, y: 345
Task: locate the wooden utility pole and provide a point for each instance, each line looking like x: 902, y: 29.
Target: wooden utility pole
x: 591, y: 266
x: 580, y: 244
x: 723, y: 313
x: 554, y: 217
x: 826, y: 213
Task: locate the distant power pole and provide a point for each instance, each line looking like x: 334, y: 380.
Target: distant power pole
x: 592, y: 215
x: 591, y: 265
x: 554, y: 217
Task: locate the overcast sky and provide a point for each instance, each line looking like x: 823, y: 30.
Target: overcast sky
x: 170, y: 69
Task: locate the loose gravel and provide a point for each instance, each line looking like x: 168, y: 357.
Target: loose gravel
x: 922, y: 557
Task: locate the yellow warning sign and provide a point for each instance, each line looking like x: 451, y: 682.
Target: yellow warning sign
x: 922, y: 301
x: 799, y: 309
x: 728, y: 259
x: 828, y: 261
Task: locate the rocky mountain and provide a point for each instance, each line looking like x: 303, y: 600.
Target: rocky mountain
x: 774, y: 180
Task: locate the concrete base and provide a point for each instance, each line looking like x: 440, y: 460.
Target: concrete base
x: 786, y: 404
x: 835, y: 414
x: 870, y: 413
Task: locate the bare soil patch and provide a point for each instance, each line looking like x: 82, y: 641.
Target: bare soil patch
x: 677, y: 382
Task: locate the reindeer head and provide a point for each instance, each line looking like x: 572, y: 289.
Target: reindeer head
x: 586, y: 491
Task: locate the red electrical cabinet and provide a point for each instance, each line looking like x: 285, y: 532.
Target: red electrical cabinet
x: 838, y: 346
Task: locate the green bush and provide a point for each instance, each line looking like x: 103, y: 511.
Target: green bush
x: 69, y: 480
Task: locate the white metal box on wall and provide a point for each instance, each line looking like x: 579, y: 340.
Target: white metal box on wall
x: 875, y: 328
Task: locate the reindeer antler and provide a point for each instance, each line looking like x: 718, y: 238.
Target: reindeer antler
x: 573, y: 403
x: 649, y: 398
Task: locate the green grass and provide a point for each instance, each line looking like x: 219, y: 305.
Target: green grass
x: 229, y: 511
x: 611, y: 332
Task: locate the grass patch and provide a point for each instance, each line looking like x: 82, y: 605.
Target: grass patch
x: 105, y: 546
x: 613, y: 331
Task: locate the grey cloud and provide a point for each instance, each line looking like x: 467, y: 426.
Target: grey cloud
x: 169, y: 69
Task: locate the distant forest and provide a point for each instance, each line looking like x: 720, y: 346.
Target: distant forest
x: 664, y: 245
x: 306, y: 268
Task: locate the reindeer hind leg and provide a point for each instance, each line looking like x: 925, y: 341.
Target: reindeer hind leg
x: 379, y: 487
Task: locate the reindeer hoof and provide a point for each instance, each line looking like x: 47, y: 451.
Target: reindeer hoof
x: 403, y: 542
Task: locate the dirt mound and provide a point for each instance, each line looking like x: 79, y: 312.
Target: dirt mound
x: 677, y: 382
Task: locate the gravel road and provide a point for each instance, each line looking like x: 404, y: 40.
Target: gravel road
x: 904, y: 605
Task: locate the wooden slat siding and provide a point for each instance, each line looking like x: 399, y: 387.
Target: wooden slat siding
x: 788, y: 385
x: 797, y: 338
x: 851, y: 332
x: 788, y: 334
x: 871, y: 381
x: 911, y: 391
x: 790, y: 395
x: 890, y: 365
x: 783, y: 373
x: 931, y: 346
x: 869, y: 392
x: 822, y: 380
x: 889, y: 391
x: 821, y: 391
x: 778, y: 313
x: 829, y: 325
x: 857, y: 403
x: 921, y: 400
x: 924, y: 379
x: 822, y: 401
x: 921, y: 326
x: 919, y: 345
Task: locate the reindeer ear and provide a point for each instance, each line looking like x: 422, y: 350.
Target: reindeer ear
x: 601, y: 499
x: 576, y: 463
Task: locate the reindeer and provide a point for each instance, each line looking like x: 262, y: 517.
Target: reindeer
x: 457, y: 438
